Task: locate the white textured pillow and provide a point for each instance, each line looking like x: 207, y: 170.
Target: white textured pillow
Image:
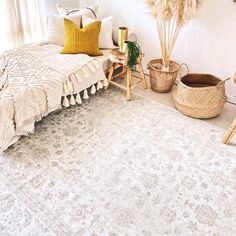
x: 105, y: 37
x: 63, y: 11
x: 55, y: 28
x: 89, y: 11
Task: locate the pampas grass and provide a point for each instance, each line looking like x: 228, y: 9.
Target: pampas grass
x: 170, y: 16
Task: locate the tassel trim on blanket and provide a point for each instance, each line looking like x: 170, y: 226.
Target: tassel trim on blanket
x: 85, y: 94
x: 78, y: 99
x: 71, y: 94
x: 93, y: 90
x: 86, y: 71
x: 73, y: 99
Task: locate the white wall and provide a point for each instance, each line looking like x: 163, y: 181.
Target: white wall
x: 207, y: 44
x: 50, y: 5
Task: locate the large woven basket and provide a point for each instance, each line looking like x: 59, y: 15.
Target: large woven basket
x: 162, y: 81
x: 200, y: 96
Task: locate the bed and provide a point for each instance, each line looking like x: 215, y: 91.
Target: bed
x: 36, y: 80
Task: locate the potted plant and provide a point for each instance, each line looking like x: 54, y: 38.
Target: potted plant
x: 133, y: 53
x: 170, y: 16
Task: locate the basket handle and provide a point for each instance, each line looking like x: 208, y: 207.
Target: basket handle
x: 186, y: 67
x: 223, y: 82
x: 181, y: 67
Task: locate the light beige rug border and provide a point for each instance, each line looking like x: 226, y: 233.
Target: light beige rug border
x: 175, y: 110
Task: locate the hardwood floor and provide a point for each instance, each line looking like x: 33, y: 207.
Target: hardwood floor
x: 223, y: 121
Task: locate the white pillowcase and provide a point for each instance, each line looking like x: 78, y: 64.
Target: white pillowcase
x: 90, y: 11
x: 55, y: 28
x: 105, y: 37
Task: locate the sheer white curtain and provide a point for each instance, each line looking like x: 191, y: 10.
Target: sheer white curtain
x: 22, y: 21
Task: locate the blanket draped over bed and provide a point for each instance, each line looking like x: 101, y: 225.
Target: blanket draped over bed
x: 33, y: 80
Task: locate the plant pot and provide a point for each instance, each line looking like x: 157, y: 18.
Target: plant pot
x: 163, y: 81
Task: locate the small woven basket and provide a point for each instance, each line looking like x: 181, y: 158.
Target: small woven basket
x: 200, y: 96
x: 163, y: 81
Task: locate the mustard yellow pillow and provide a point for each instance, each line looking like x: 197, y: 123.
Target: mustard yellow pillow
x: 82, y: 40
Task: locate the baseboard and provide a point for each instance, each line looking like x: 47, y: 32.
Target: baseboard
x: 231, y: 99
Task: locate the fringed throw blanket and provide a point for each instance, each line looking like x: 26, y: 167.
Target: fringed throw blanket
x: 33, y: 80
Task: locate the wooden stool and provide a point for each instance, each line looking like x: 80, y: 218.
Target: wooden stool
x: 230, y: 133
x: 232, y: 130
x: 119, y: 59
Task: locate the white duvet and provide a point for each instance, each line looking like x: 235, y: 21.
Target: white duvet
x: 33, y: 80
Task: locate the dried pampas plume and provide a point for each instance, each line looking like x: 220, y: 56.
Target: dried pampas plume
x: 165, y: 10
x: 170, y: 16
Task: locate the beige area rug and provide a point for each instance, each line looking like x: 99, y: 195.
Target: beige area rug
x: 112, y: 167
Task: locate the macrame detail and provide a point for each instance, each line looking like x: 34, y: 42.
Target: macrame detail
x: 78, y: 99
x: 93, y: 90
x: 99, y: 85
x: 85, y: 72
x: 72, y: 95
x: 81, y: 74
x: 66, y: 91
x: 85, y: 94
x: 72, y: 100
x: 96, y: 63
x: 92, y: 67
x: 70, y: 86
x: 66, y: 102
x: 105, y: 83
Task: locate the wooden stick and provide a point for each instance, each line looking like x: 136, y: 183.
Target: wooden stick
x: 129, y: 79
x: 174, y: 25
x: 230, y: 133
x: 165, y: 45
x: 143, y: 79
x: 161, y: 41
x: 165, y: 42
x: 175, y: 38
x: 168, y: 36
x: 111, y: 73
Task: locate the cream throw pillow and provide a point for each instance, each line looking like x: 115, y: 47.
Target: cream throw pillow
x: 55, y: 28
x: 90, y: 11
x: 105, y: 37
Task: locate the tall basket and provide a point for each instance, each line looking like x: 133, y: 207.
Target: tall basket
x: 163, y: 81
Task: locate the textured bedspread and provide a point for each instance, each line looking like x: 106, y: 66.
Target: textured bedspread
x: 32, y: 83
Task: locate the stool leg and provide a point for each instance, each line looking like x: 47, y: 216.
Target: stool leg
x: 123, y: 73
x: 230, y: 133
x: 111, y: 73
x: 129, y: 79
x: 140, y: 68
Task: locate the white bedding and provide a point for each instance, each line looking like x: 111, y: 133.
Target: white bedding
x: 104, y: 60
x: 33, y: 79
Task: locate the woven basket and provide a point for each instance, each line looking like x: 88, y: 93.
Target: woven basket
x: 200, y: 96
x: 161, y: 81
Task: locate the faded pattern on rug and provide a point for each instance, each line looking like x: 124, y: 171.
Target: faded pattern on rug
x: 112, y: 167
